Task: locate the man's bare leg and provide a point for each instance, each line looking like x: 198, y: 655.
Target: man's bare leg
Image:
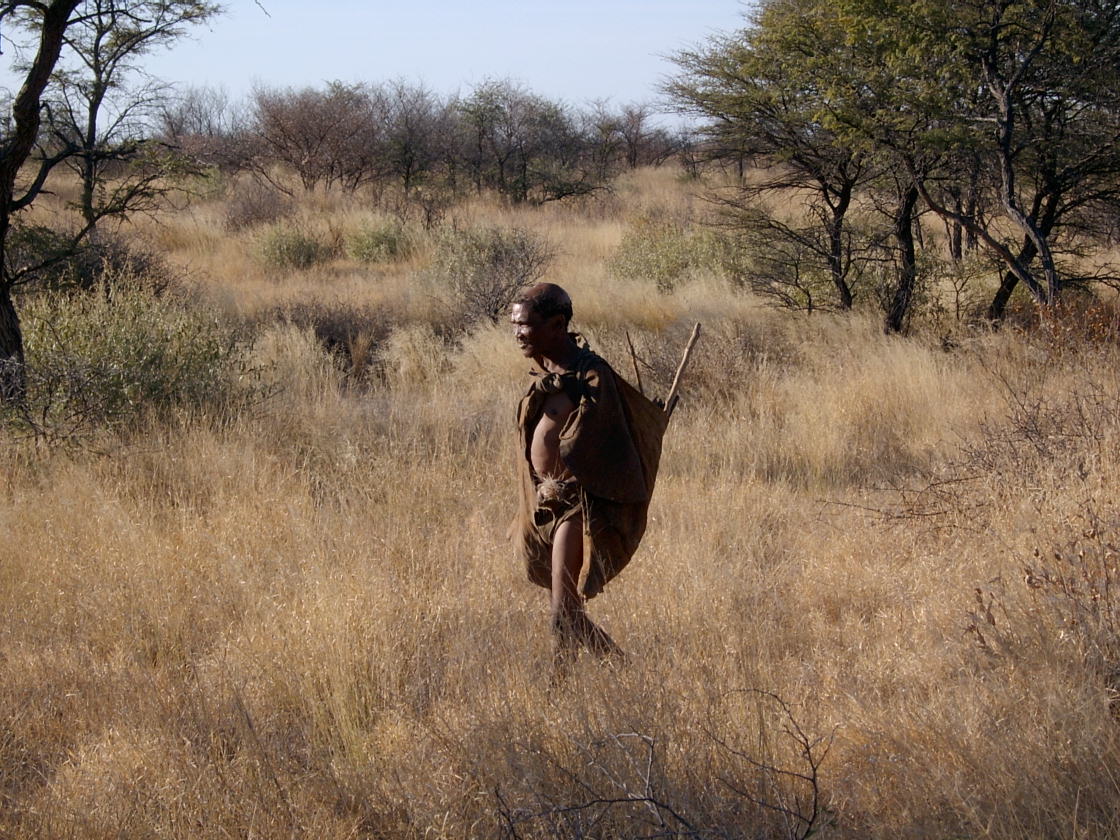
x: 570, y: 625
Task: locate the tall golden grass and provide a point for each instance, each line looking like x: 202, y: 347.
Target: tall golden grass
x: 873, y: 600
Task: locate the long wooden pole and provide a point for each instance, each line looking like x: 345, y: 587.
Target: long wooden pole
x: 634, y: 361
x: 671, y: 400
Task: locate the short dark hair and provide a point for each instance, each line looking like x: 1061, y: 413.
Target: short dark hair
x: 546, y: 300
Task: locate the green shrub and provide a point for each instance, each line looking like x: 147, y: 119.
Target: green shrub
x: 104, y: 359
x: 388, y: 241
x: 287, y: 246
x: 482, y: 269
x: 665, y: 251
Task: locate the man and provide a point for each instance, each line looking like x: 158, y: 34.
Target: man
x: 589, y: 450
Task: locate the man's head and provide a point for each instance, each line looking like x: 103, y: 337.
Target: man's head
x: 540, y: 317
x: 546, y: 299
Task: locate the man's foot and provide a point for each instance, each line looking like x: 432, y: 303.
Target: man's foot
x: 575, y: 631
x: 596, y: 640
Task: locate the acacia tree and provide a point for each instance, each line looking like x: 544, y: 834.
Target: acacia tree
x: 102, y: 108
x: 624, y: 137
x: 15, y: 149
x: 106, y: 37
x: 198, y: 112
x: 762, y: 104
x: 326, y: 137
x: 1002, y: 115
x: 1025, y: 94
x: 209, y: 128
x: 637, y: 135
x: 416, y: 130
x: 524, y: 146
x: 603, y: 129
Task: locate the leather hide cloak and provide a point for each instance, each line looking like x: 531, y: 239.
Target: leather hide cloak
x: 611, y: 443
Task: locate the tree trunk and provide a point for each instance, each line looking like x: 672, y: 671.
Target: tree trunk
x: 15, y: 148
x: 998, y: 306
x: 13, y: 379
x: 1046, y: 292
x: 88, y: 166
x: 836, y: 246
x: 956, y: 241
x: 1014, y: 264
x: 907, y: 271
x: 955, y: 230
x: 972, y: 204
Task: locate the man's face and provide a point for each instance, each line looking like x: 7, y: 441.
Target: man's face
x: 535, y: 335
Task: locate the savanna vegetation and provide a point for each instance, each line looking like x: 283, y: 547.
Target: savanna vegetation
x: 257, y: 472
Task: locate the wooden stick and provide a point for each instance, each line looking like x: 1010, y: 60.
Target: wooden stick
x: 634, y: 361
x: 671, y: 400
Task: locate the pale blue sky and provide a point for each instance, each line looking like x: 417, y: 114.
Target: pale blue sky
x: 577, y: 51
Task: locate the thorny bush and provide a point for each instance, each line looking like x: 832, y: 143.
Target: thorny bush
x: 482, y: 269
x: 387, y: 241
x: 52, y: 260
x: 111, y: 358
x: 666, y: 251
x: 290, y: 246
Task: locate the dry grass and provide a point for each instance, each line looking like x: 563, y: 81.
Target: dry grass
x: 304, y: 621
